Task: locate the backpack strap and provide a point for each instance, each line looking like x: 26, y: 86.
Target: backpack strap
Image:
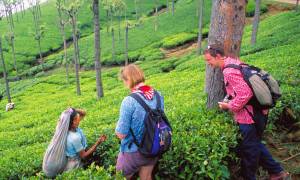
x: 234, y: 66
x: 146, y: 108
x: 134, y: 139
x: 140, y: 101
x: 158, y: 101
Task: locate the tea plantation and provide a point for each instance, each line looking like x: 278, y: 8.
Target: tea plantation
x: 203, y: 140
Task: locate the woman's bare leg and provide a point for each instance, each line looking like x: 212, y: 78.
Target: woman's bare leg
x: 145, y: 172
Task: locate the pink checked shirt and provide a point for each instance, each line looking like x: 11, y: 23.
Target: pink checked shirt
x: 240, y: 92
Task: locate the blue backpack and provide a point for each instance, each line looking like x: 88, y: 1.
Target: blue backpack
x: 157, y: 134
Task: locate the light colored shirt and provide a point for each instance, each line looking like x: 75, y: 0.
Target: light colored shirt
x: 76, y: 142
x: 132, y: 115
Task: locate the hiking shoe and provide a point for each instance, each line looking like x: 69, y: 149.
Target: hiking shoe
x: 280, y: 176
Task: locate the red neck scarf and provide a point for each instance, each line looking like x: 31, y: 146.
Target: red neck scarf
x: 145, y: 90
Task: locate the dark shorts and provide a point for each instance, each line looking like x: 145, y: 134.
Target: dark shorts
x: 130, y: 163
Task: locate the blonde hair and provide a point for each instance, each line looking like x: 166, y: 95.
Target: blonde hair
x: 133, y: 74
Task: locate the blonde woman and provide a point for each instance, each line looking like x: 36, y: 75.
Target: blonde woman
x: 130, y: 125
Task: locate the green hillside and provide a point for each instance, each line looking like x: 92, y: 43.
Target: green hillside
x: 201, y: 136
x: 25, y: 45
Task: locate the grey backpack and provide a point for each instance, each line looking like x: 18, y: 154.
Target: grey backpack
x: 264, y: 87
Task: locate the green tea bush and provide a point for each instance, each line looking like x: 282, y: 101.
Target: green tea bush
x: 178, y: 39
x: 250, y: 9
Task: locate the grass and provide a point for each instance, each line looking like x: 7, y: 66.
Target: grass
x: 25, y: 45
x: 200, y: 136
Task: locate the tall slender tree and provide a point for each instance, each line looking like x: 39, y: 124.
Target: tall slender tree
x: 173, y: 7
x: 107, y: 7
x: 201, y: 9
x: 297, y: 5
x: 118, y: 9
x: 156, y: 16
x: 15, y: 7
x: 136, y: 10
x: 126, y: 44
x: 113, y: 45
x: 39, y: 29
x: 255, y: 22
x: 97, y: 49
x: 167, y: 3
x: 8, y: 5
x: 4, y: 72
x: 62, y: 23
x: 10, y: 37
x: 226, y: 28
x: 72, y: 11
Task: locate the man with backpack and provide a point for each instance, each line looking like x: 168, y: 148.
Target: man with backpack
x: 243, y: 89
x: 143, y: 128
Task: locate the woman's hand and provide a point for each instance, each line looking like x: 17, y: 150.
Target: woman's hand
x: 223, y: 105
x: 101, y: 139
x: 120, y: 136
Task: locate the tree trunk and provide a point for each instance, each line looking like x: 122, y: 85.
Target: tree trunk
x: 119, y: 19
x: 226, y: 28
x: 22, y: 9
x: 173, y: 6
x: 14, y: 54
x: 113, y: 45
x: 156, y: 17
x: 201, y: 8
x: 255, y: 22
x: 11, y: 18
x: 297, y: 6
x: 41, y: 56
x: 12, y: 40
x: 16, y: 8
x: 7, y: 16
x: 111, y: 18
x: 76, y: 58
x: 97, y: 49
x: 168, y: 6
x: 4, y: 72
x: 136, y: 10
x: 126, y: 45
x: 107, y: 18
x: 39, y: 9
x: 63, y: 34
x: 66, y: 55
x: 37, y: 33
x: 77, y: 45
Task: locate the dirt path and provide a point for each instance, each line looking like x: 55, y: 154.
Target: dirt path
x: 287, y: 153
x: 287, y: 1
x: 272, y: 10
x: 180, y: 50
x: 187, y: 48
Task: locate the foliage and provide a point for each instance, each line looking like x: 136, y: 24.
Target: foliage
x: 202, y: 139
x: 250, y: 9
x: 26, y: 55
x: 178, y: 39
